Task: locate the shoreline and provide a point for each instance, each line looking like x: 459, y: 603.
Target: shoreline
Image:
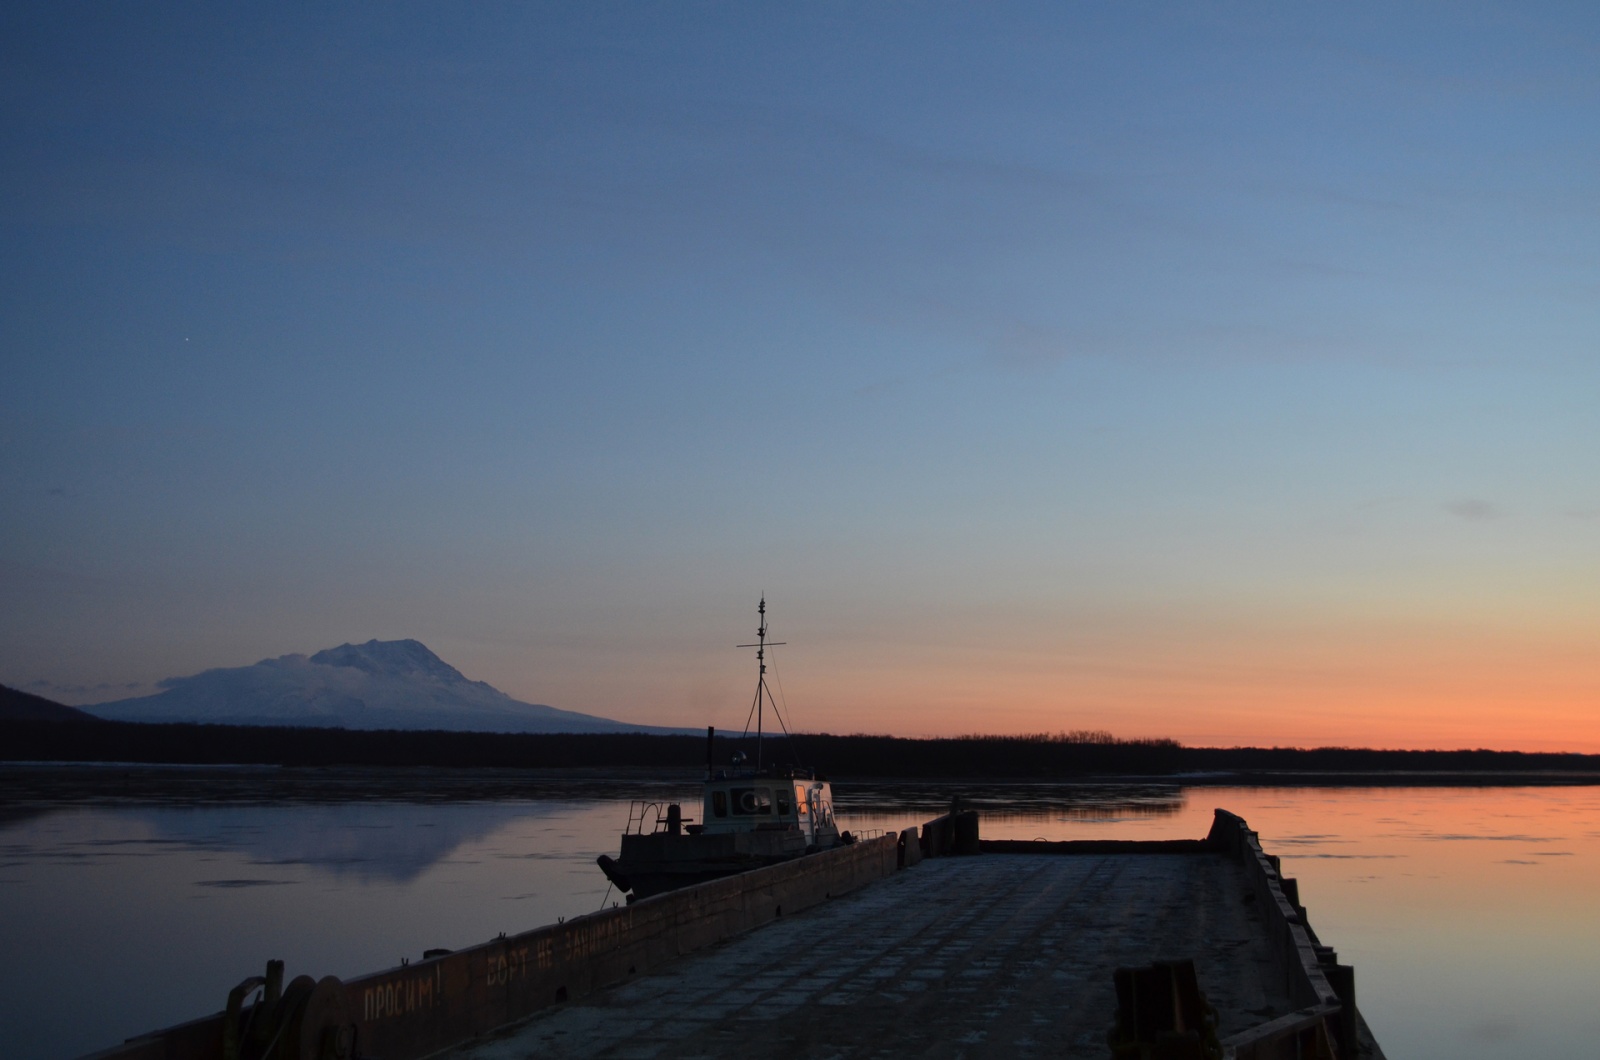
x: 37, y: 784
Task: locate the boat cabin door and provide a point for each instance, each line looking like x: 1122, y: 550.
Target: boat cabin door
x: 814, y: 808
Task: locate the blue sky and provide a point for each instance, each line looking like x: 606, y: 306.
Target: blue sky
x: 1048, y: 366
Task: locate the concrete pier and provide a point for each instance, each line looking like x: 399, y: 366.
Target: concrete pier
x: 1003, y: 955
x: 929, y: 942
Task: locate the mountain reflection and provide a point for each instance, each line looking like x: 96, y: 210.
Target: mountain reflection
x: 364, y: 843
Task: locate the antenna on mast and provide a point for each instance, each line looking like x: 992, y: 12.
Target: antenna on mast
x: 761, y: 677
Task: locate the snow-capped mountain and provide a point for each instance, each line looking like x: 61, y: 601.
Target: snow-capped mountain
x: 394, y: 684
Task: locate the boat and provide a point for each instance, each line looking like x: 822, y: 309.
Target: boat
x: 751, y: 814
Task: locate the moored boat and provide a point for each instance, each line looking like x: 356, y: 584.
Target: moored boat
x: 750, y: 817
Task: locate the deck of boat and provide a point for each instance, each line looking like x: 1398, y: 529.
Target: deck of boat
x: 1004, y: 955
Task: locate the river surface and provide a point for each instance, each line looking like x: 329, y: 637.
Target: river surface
x: 131, y: 900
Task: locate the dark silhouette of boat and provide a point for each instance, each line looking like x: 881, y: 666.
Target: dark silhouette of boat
x: 750, y: 817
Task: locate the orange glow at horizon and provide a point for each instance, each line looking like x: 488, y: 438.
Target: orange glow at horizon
x: 1402, y: 689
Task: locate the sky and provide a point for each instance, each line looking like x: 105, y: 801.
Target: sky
x: 1227, y: 372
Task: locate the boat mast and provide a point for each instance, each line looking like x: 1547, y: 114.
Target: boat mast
x: 761, y: 676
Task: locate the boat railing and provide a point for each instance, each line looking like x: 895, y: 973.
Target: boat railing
x: 648, y: 817
x: 641, y: 813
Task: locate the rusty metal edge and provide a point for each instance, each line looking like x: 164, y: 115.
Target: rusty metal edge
x: 1297, y: 944
x: 1281, y: 1027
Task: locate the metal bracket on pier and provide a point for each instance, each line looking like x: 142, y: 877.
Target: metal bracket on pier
x: 1163, y: 1015
x: 310, y: 1019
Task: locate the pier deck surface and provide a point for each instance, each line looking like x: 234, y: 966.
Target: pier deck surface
x: 1001, y: 955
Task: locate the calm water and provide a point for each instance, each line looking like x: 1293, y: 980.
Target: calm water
x: 1469, y: 913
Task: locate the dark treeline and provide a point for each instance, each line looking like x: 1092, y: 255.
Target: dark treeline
x: 1067, y: 755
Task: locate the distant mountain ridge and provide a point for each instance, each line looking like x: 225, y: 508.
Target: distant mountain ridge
x: 394, y: 684
x: 16, y: 705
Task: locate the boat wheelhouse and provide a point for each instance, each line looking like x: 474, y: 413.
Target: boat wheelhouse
x: 782, y: 800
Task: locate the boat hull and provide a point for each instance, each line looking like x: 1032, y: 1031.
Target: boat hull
x: 656, y: 863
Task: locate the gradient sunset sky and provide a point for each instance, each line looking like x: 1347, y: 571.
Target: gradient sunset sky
x: 1227, y: 371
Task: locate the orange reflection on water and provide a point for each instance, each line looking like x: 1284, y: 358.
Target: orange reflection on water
x: 1469, y: 913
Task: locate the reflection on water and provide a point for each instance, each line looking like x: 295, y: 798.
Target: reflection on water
x: 364, y: 842
x: 144, y: 916
x: 1017, y: 803
x: 1469, y: 914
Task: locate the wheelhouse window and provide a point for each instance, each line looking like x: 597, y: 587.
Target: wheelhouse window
x: 752, y: 802
x: 719, y: 803
x: 783, y: 802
